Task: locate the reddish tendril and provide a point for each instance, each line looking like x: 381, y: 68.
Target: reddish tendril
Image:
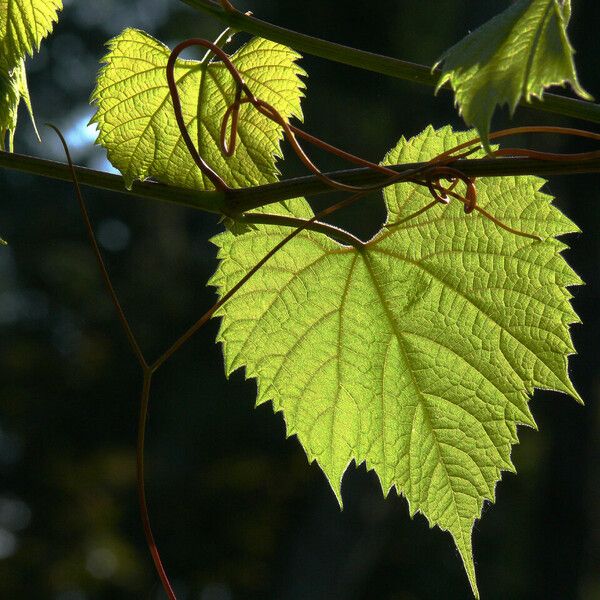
x: 147, y: 371
x: 243, y: 95
x: 430, y: 176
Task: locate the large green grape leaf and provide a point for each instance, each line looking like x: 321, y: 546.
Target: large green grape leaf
x: 416, y: 353
x: 23, y: 26
x: 515, y: 55
x: 138, y: 128
x: 13, y: 89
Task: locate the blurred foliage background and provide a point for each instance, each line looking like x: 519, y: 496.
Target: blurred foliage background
x: 237, y: 511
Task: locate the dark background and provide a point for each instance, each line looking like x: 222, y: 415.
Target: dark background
x: 237, y: 511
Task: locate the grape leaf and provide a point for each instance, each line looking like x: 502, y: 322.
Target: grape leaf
x: 515, y: 55
x: 138, y: 128
x: 416, y: 353
x: 23, y: 26
x: 13, y: 89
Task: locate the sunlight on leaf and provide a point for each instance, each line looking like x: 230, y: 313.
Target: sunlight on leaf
x: 516, y: 55
x: 138, y: 128
x: 23, y: 26
x: 416, y: 354
x: 9, y: 105
x: 13, y: 89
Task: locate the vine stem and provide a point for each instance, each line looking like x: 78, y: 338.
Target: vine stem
x: 141, y: 487
x: 240, y: 200
x: 208, y: 201
x: 393, y: 67
x: 133, y: 343
x: 299, y: 226
x: 146, y: 370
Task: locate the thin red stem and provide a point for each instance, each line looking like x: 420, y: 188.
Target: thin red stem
x: 204, y: 167
x: 103, y: 270
x: 141, y: 487
x: 182, y: 339
x: 244, y: 95
x: 582, y: 133
x: 147, y: 374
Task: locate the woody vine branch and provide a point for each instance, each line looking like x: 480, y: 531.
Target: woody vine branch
x: 248, y: 198
x: 385, y: 65
x: 241, y: 200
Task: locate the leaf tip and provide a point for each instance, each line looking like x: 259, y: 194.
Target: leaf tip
x: 576, y: 396
x: 569, y: 389
x: 336, y: 486
x: 465, y: 549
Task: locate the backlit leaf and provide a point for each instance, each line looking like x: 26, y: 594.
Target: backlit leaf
x: 514, y: 56
x: 138, y: 128
x: 13, y: 89
x: 23, y: 26
x: 416, y: 353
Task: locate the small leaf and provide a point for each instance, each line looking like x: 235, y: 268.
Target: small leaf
x: 23, y: 26
x: 9, y: 105
x: 416, y: 353
x: 138, y: 128
x: 13, y: 89
x: 517, y: 54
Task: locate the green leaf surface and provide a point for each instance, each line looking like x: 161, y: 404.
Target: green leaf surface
x: 138, y: 128
x: 23, y: 26
x: 417, y: 353
x: 515, y: 55
x: 9, y: 105
x: 13, y: 89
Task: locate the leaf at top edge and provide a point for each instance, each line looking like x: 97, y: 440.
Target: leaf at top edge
x: 137, y: 125
x: 515, y: 55
x: 417, y: 353
x: 23, y: 26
